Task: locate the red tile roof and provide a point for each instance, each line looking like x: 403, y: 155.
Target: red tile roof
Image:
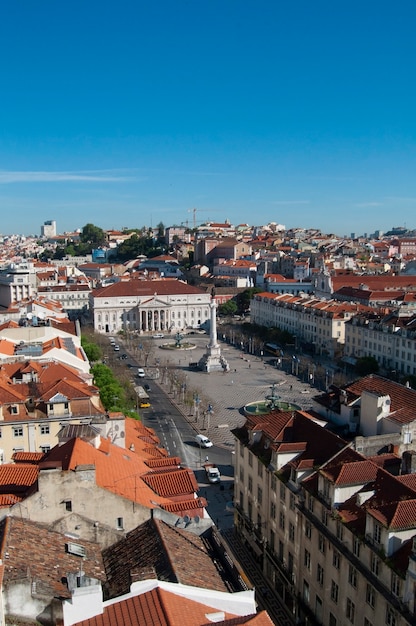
x: 146, y: 288
x: 160, y: 607
x: 36, y: 553
x: 126, y: 471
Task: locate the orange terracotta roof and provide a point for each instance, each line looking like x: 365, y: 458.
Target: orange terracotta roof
x: 126, y: 473
x: 160, y: 607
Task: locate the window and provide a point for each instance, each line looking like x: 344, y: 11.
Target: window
x: 260, y: 468
x: 308, y: 530
x: 356, y: 547
x: 45, y: 449
x: 340, y: 530
x: 273, y: 483
x: 291, y: 532
x: 307, y: 559
x: 44, y: 429
x: 292, y: 502
x: 377, y: 533
x: 17, y: 431
x: 281, y: 550
x: 306, y: 594
x: 350, y: 610
x: 310, y: 503
x: 352, y: 576
x: 367, y: 622
x: 375, y: 564
x: 241, y: 500
x: 321, y: 543
x: 370, y: 596
x: 282, y: 520
x: 320, y: 574
x: 272, y: 510
x: 332, y: 620
x: 68, y: 505
x: 250, y: 484
x: 318, y: 609
x: 282, y: 492
x: 271, y: 543
x: 391, y: 619
x: 120, y: 525
x: 334, y: 591
x: 395, y: 584
x: 336, y: 559
x: 324, y: 516
x: 241, y: 474
x: 250, y: 460
x: 13, y: 409
x: 259, y: 495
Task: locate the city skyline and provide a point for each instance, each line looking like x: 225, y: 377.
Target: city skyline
x: 135, y: 114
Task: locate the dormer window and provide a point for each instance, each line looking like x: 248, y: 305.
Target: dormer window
x: 377, y: 533
x: 14, y: 409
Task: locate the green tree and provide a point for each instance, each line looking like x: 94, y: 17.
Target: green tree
x: 244, y: 298
x: 228, y: 308
x: 92, y: 351
x: 366, y: 365
x: 93, y: 236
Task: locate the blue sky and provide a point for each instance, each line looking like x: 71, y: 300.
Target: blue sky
x: 129, y: 113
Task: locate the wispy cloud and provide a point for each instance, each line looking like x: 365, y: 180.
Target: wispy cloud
x: 99, y: 176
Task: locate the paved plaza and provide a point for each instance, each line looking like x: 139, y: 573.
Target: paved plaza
x: 250, y: 379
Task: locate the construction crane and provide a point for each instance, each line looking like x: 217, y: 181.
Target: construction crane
x: 194, y: 212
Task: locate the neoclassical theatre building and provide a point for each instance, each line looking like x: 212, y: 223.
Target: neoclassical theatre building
x: 148, y: 306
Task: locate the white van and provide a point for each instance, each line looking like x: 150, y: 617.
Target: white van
x: 140, y: 372
x: 203, y: 442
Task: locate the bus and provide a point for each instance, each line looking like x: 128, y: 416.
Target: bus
x: 142, y: 397
x: 273, y: 348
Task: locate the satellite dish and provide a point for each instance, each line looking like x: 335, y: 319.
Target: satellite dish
x: 186, y: 519
x: 196, y: 519
x: 122, y: 433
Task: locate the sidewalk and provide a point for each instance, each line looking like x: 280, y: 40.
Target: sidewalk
x: 250, y: 379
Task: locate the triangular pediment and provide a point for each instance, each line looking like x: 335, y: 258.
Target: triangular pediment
x: 58, y: 397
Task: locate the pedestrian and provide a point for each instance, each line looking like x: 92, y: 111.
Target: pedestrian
x: 206, y: 459
x: 249, y: 365
x: 290, y: 387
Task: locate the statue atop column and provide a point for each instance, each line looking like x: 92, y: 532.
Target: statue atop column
x: 212, y: 361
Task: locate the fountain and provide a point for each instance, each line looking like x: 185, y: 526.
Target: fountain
x: 271, y: 403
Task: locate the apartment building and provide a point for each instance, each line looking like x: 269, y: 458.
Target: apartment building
x: 390, y: 339
x: 318, y: 322
x: 333, y: 530
x: 17, y: 283
x: 36, y: 398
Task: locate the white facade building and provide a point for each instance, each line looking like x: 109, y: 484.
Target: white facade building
x: 149, y: 306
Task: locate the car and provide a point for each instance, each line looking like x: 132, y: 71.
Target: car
x: 124, y: 356
x: 116, y: 348
x: 144, y: 404
x: 140, y: 372
x: 203, y: 442
x: 158, y: 336
x: 147, y: 387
